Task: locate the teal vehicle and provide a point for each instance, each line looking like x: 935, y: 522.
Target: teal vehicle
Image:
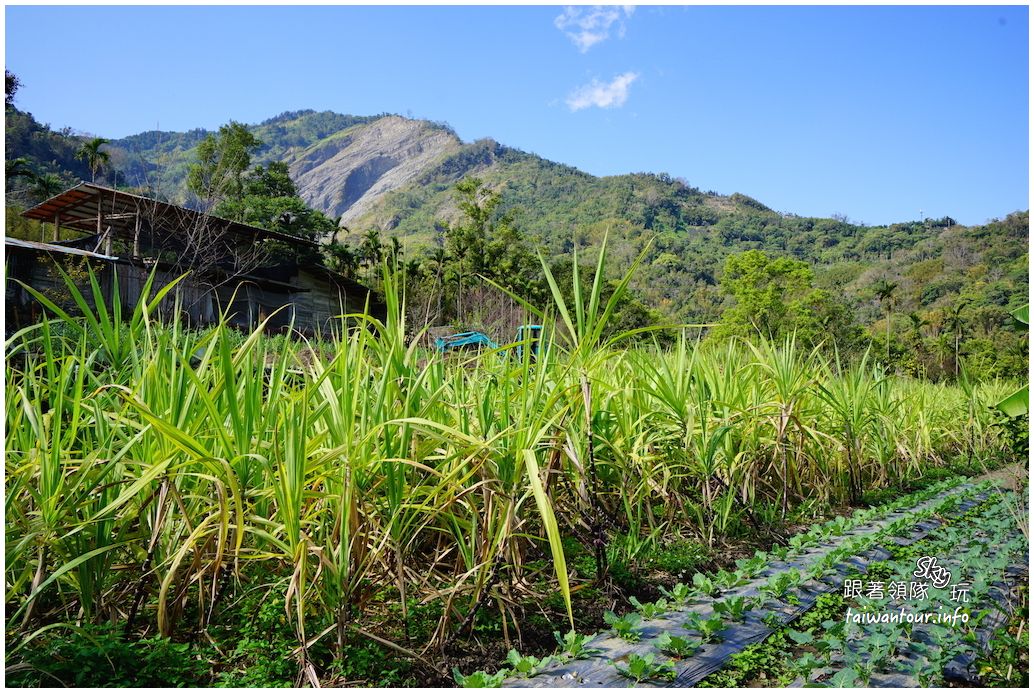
x: 532, y: 334
x: 464, y: 340
x: 526, y: 334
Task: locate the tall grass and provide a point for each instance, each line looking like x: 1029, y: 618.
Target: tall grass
x: 152, y: 469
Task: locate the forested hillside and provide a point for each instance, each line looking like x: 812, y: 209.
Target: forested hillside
x: 941, y: 293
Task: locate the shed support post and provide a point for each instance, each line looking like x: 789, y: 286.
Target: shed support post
x: 57, y: 226
x: 100, y: 225
x: 136, y: 233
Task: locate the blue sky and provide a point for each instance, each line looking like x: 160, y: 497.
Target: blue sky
x: 871, y: 112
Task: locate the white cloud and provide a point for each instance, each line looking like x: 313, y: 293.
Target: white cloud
x: 587, y: 26
x: 602, y: 95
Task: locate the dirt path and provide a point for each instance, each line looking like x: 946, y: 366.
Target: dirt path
x: 1012, y: 477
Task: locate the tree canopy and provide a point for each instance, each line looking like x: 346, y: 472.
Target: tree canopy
x: 222, y: 159
x: 777, y: 297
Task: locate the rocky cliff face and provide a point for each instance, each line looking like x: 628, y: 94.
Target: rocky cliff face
x: 344, y: 175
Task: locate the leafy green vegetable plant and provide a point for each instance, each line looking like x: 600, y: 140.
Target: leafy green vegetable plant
x: 806, y: 664
x: 679, y: 595
x: 623, y: 626
x: 527, y: 666
x: 780, y: 586
x: 753, y: 565
x: 676, y: 646
x: 799, y: 637
x: 480, y: 679
x: 650, y: 609
x: 704, y: 586
x: 573, y: 645
x: 641, y: 668
x: 708, y: 628
x: 733, y: 608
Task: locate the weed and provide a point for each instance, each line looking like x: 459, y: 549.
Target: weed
x: 100, y: 656
x: 678, y: 558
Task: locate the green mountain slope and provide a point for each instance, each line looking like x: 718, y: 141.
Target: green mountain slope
x: 398, y: 175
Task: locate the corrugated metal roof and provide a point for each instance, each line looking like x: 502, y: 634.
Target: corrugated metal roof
x: 77, y: 208
x: 51, y: 248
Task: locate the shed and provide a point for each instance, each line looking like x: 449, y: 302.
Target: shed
x: 229, y: 266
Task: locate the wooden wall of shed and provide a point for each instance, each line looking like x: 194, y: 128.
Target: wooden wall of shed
x: 321, y: 301
x: 247, y: 304
x: 313, y: 309
x: 191, y: 299
x: 39, y: 270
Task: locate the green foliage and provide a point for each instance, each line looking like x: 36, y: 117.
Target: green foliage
x: 91, y: 153
x: 574, y: 645
x: 11, y: 85
x: 1006, y: 664
x: 46, y: 186
x: 260, y: 653
x: 1017, y: 404
x: 733, y: 608
x: 526, y: 666
x: 782, y: 585
x: 727, y: 580
x: 101, y: 657
x: 679, y: 595
x: 958, y: 282
x: 709, y: 629
x: 676, y: 646
x: 704, y: 586
x: 623, y: 626
x: 650, y: 609
x: 378, y: 456
x: 801, y: 638
x: 269, y: 200
x: 42, y: 152
x: 759, y: 665
x: 776, y: 298
x: 645, y: 667
x: 480, y: 679
x: 221, y: 162
x: 369, y: 662
x: 484, y: 244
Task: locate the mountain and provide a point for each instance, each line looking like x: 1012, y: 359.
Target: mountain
x: 390, y: 172
x: 398, y: 175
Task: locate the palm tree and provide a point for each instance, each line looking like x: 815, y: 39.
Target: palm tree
x: 943, y: 348
x: 344, y: 259
x: 91, y: 153
x: 18, y: 168
x: 46, y: 186
x: 884, y: 291
x: 437, y: 258
x: 371, y: 250
x: 394, y: 251
x: 917, y: 323
x: 953, y: 321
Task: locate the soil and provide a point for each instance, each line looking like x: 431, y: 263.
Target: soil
x: 1012, y: 477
